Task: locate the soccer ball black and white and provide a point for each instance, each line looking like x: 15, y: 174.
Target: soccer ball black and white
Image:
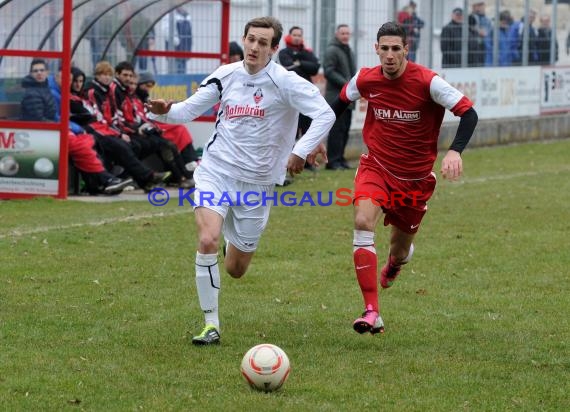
x: 9, y: 166
x: 265, y: 367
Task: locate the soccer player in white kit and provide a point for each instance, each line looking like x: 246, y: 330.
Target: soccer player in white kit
x: 249, y: 152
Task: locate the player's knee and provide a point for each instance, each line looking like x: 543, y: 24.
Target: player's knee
x: 208, y: 243
x: 363, y: 222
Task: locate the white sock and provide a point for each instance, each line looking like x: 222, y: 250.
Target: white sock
x: 208, y: 286
x: 363, y: 239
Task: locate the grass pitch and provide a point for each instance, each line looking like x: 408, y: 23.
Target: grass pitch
x: 97, y: 302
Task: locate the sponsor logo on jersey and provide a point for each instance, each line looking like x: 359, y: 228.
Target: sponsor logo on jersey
x: 240, y: 110
x: 258, y: 96
x: 397, y: 115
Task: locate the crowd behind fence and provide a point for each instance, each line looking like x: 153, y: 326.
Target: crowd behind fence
x: 442, y: 34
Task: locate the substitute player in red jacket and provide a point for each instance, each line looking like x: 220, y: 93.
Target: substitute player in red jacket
x: 406, y: 104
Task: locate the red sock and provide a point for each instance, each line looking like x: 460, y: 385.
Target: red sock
x: 366, y: 266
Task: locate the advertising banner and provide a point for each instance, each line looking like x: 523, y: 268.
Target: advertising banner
x: 555, y: 90
x: 496, y: 92
x: 29, y: 161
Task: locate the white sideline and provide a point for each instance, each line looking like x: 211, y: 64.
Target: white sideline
x: 131, y: 218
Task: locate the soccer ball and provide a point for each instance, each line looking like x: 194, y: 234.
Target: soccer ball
x: 9, y: 166
x: 43, y: 167
x: 265, y: 367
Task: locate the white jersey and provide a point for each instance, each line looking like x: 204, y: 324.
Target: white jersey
x: 257, y: 120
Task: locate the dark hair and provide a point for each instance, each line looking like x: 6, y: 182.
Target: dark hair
x: 37, y: 61
x: 236, y: 50
x: 76, y: 73
x: 340, y: 26
x: 295, y: 28
x: 124, y: 65
x: 266, y: 22
x: 392, y: 29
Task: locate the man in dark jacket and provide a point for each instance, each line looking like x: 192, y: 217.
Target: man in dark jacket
x: 301, y: 60
x: 339, y: 66
x: 450, y: 41
x: 543, y: 41
x: 38, y: 103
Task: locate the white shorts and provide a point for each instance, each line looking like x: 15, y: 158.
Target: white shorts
x: 241, y: 204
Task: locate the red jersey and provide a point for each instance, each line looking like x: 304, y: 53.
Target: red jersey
x: 404, y: 116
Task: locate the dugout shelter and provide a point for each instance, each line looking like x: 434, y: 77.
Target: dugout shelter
x: 78, y: 33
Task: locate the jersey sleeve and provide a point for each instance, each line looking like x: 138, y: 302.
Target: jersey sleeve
x: 306, y: 98
x: 350, y: 92
x: 448, y: 96
x: 207, y: 95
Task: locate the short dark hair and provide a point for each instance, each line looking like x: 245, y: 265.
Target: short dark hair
x: 392, y: 28
x: 295, y: 28
x: 37, y: 60
x: 124, y: 65
x: 266, y: 22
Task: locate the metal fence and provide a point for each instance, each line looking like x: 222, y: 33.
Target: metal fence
x: 121, y: 28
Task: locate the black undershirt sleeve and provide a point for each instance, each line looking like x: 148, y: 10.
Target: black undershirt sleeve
x: 339, y: 106
x: 464, y: 130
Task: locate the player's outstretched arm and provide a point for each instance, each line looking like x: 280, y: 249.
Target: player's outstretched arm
x: 159, y: 106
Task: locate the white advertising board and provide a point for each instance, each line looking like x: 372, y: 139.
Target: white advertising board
x: 29, y: 161
x: 555, y: 90
x: 496, y: 92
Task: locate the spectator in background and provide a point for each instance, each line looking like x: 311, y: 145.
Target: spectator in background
x: 450, y: 41
x: 301, y: 60
x: 516, y: 37
x: 99, y: 33
x: 181, y: 35
x: 131, y: 35
x: 339, y: 67
x: 39, y: 104
x: 145, y: 136
x: 544, y: 38
x: 568, y: 43
x: 236, y: 52
x: 482, y: 27
x: 409, y: 19
x: 176, y: 133
x: 505, y: 22
x: 87, y: 108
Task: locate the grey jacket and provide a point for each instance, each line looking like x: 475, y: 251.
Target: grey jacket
x: 339, y: 67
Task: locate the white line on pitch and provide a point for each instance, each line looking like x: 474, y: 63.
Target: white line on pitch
x: 131, y: 218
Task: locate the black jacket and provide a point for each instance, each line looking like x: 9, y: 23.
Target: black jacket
x: 309, y: 64
x: 38, y: 103
x: 450, y: 43
x: 339, y: 67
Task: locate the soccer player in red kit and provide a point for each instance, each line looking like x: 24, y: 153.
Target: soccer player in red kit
x: 406, y: 105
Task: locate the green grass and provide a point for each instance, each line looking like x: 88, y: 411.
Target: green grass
x: 97, y: 302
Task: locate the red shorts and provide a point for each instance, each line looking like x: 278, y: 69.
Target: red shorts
x: 403, y: 201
